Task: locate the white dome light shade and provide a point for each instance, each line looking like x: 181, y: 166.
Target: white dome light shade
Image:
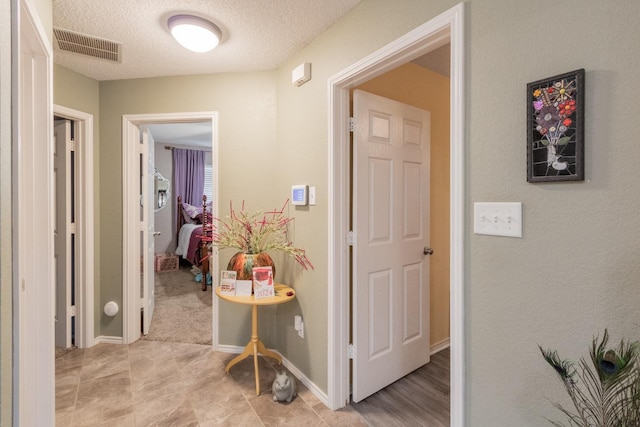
x: 194, y: 33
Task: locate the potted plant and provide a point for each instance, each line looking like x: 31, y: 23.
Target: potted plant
x: 255, y: 234
x: 605, y: 389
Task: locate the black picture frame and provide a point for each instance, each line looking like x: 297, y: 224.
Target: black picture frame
x: 555, y: 128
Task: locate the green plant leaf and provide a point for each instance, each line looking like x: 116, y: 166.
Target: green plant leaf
x: 564, y: 140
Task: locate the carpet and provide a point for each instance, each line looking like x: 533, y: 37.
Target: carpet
x: 183, y: 311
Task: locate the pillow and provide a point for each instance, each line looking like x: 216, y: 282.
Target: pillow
x: 193, y: 214
x: 190, y: 212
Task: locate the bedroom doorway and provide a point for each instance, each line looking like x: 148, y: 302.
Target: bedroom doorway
x: 132, y: 221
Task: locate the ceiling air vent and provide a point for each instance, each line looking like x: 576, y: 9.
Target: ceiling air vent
x: 83, y: 44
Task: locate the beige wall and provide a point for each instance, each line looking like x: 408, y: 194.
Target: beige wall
x: 425, y: 89
x: 247, y: 113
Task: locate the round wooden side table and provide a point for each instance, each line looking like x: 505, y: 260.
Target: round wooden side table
x: 283, y: 294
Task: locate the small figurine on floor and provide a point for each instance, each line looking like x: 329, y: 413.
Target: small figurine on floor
x: 284, y: 387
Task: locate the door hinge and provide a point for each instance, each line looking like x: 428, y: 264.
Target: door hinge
x: 350, y: 238
x: 352, y: 124
x: 73, y: 311
x: 351, y: 351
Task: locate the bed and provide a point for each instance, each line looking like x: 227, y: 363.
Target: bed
x: 194, y: 228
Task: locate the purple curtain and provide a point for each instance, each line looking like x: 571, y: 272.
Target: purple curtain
x: 188, y: 175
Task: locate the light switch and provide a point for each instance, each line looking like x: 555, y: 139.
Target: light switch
x: 498, y: 219
x: 312, y: 196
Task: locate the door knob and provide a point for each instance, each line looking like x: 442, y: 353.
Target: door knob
x: 427, y: 251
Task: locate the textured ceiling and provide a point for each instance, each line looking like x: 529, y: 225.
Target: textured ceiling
x: 256, y: 34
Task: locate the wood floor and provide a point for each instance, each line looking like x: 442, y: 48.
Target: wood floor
x: 419, y: 399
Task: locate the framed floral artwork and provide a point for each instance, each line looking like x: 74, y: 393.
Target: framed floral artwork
x: 555, y: 128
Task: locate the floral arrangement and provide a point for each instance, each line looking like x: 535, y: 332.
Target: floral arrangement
x: 553, y: 107
x: 256, y: 232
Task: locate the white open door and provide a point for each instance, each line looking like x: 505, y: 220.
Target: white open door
x: 64, y: 231
x: 32, y: 223
x: 391, y: 229
x: 147, y: 227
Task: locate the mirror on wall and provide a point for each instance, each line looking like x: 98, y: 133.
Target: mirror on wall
x: 162, y: 186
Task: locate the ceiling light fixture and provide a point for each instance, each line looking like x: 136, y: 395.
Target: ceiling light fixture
x: 195, y: 33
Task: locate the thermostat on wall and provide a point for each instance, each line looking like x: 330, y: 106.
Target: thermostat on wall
x: 300, y: 195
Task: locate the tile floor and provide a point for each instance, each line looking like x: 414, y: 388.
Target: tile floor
x: 151, y: 383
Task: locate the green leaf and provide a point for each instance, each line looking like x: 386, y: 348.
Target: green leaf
x: 544, y: 141
x: 564, y: 140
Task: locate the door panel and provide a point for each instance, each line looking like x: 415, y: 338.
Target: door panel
x: 63, y: 231
x: 148, y: 246
x: 391, y: 227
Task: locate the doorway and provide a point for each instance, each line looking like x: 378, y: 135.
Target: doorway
x: 391, y: 222
x: 78, y: 201
x: 132, y: 252
x: 445, y: 28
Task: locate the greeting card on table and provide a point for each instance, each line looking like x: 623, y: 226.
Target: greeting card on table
x: 263, y: 282
x: 243, y: 288
x: 228, y: 282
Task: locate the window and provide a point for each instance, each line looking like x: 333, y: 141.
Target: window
x: 208, y: 182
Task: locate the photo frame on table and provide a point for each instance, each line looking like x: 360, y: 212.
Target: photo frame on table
x: 555, y: 128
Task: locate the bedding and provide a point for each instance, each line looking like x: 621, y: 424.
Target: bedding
x: 189, y: 241
x: 192, y: 245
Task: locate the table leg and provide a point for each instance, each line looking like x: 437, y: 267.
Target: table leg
x: 254, y: 347
x: 255, y: 341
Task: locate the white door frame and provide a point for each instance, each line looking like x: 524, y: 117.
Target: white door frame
x: 446, y: 27
x: 33, y: 280
x: 84, y: 218
x: 131, y: 213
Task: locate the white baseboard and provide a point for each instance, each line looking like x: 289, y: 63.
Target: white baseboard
x: 313, y: 388
x: 230, y: 349
x: 291, y: 367
x: 107, y: 340
x: 439, y: 346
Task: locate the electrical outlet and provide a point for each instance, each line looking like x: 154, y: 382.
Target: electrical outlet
x: 297, y: 320
x: 298, y: 325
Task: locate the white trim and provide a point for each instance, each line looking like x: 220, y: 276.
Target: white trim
x: 231, y: 349
x: 32, y: 221
x: 439, y: 346
x: 457, y: 217
x: 130, y: 213
x: 448, y: 26
x: 130, y: 235
x: 85, y: 249
x: 310, y: 385
x: 102, y: 339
